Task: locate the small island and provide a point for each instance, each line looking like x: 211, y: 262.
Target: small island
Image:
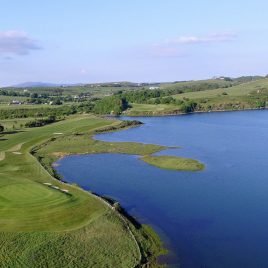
x: 174, y: 163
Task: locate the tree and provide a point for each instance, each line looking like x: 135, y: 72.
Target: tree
x: 260, y: 104
x: 57, y: 102
x: 188, y: 107
x: 34, y: 95
x: 111, y: 105
x: 1, y: 128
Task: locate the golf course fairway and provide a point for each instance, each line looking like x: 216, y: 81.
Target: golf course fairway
x: 45, y: 222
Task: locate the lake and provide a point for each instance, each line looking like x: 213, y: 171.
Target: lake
x: 214, y: 218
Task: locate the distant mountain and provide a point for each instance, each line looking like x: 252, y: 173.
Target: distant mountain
x: 35, y: 84
x: 106, y: 84
x: 43, y: 84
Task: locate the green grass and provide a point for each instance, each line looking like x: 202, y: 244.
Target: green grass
x: 235, y: 91
x: 43, y: 227
x: 103, y: 242
x: 15, y: 124
x: 247, y: 95
x: 173, y: 163
x: 82, y: 143
x: 183, y: 85
x: 30, y: 106
x: 151, y: 109
x: 8, y: 99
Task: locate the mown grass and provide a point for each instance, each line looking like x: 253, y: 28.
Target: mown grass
x: 43, y: 227
x: 174, y: 163
x: 16, y: 123
x: 138, y: 109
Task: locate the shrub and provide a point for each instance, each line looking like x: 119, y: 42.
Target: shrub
x: 111, y: 105
x: 41, y: 122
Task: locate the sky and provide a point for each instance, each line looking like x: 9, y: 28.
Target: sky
x: 88, y: 41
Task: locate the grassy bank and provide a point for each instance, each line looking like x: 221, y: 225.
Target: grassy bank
x: 42, y: 226
x: 83, y: 143
x: 45, y: 227
x: 174, y: 163
x: 244, y: 96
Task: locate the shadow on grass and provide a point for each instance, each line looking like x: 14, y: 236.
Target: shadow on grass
x: 12, y: 132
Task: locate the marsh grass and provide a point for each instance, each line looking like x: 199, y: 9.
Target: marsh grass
x: 174, y: 163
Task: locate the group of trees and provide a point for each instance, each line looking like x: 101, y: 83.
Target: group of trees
x: 164, y: 96
x: 165, y: 100
x: 188, y: 106
x: 142, y: 96
x: 41, y: 122
x: 63, y: 110
x: 5, y: 92
x: 111, y: 105
x: 117, y: 104
x: 32, y: 93
x: 40, y: 96
x: 37, y: 112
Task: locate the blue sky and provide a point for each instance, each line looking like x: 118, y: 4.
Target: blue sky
x: 71, y: 41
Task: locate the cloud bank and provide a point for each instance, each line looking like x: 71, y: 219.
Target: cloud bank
x: 214, y: 38
x: 17, y: 43
x: 177, y: 47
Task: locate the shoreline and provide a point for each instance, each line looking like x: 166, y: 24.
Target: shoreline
x: 165, y: 252
x: 128, y: 220
x: 103, y: 199
x: 155, y: 114
x: 144, y: 231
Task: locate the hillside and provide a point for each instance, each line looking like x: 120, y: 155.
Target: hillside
x: 234, y: 96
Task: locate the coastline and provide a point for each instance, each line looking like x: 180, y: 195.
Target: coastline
x: 72, y: 135
x: 176, y: 113
x: 131, y: 223
x: 139, y: 232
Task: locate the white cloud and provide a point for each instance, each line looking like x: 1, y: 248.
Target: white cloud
x: 214, y: 38
x: 177, y: 47
x: 16, y: 43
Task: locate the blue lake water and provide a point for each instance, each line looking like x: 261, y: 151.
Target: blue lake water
x: 214, y: 218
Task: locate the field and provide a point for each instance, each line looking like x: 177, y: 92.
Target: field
x: 150, y: 109
x: 235, y: 91
x: 44, y: 227
x: 198, y: 83
x: 8, y: 99
x: 248, y: 95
